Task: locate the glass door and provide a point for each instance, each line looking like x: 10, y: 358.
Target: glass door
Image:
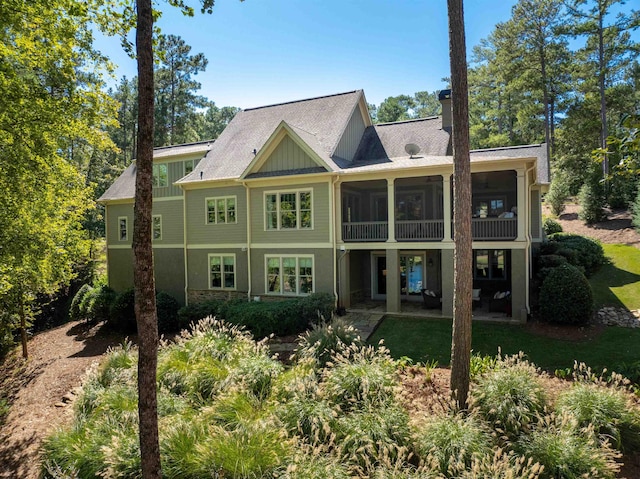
x: 411, y: 277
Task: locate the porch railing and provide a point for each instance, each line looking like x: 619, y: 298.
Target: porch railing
x: 420, y: 230
x: 494, y: 228
x: 365, y: 231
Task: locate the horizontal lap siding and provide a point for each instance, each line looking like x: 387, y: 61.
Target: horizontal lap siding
x: 321, y: 217
x: 198, y: 232
x: 168, y: 266
x: 113, y: 212
x: 322, y: 262
x: 120, y: 269
x: 172, y: 226
x: 199, y: 268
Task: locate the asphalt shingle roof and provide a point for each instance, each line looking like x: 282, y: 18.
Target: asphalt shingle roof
x: 525, y: 151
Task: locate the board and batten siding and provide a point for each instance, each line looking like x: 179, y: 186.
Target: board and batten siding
x: 322, y: 263
x: 198, y: 267
x: 318, y: 233
x: 199, y: 232
x: 175, y: 171
x: 536, y: 224
x: 287, y: 156
x: 351, y: 137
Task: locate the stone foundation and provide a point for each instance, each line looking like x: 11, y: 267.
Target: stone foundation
x: 200, y: 296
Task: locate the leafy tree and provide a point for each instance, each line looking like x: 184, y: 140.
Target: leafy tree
x: 216, y: 119
x: 461, y: 336
x: 395, y: 108
x: 49, y: 104
x: 427, y: 104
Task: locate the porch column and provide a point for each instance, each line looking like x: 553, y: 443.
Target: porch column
x: 519, y: 284
x: 522, y: 213
x: 393, y: 281
x: 446, y: 205
x: 391, y: 211
x: 344, y: 275
x: 338, y: 213
x: 447, y: 282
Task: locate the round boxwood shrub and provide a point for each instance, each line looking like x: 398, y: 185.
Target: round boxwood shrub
x: 566, y: 296
x: 122, y: 315
x: 551, y: 226
x: 100, y: 303
x: 585, y: 252
x: 167, y: 308
x: 74, y: 311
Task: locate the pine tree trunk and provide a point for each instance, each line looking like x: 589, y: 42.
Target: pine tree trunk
x: 463, y: 280
x: 144, y: 283
x: 601, y: 86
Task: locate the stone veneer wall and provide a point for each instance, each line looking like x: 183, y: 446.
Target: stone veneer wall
x: 199, y: 296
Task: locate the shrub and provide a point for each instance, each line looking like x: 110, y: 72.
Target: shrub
x: 307, y: 463
x: 255, y: 374
x: 75, y: 313
x: 192, y: 313
x: 317, y: 307
x: 324, y: 340
x: 167, y: 308
x: 122, y: 315
x: 509, y: 396
x: 547, y: 262
x: 309, y: 416
x: 608, y: 410
x: 566, y: 296
x: 565, y: 454
x: 551, y: 226
x: 586, y: 252
x: 446, y: 438
x: 100, y: 303
x: 636, y: 211
x: 501, y: 465
x: 591, y: 202
x: 557, y: 195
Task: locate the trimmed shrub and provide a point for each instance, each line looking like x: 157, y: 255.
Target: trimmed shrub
x: 580, y: 251
x: 317, y: 307
x: 122, y: 315
x: 75, y: 313
x: 551, y: 226
x: 100, y: 303
x: 557, y: 195
x: 167, y: 308
x: 591, y: 202
x: 566, y: 296
x: 547, y: 262
x: 324, y: 340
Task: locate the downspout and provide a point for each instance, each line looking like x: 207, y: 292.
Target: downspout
x: 248, y: 199
x: 528, y: 251
x: 184, y: 245
x: 335, y: 241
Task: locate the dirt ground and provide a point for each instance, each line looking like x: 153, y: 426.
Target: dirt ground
x: 58, y: 361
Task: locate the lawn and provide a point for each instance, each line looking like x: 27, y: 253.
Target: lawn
x: 618, y: 283
x: 430, y: 339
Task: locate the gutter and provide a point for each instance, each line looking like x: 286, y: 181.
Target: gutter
x: 184, y: 241
x: 334, y: 240
x: 528, y: 240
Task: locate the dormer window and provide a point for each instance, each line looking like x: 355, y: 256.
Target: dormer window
x: 160, y: 175
x: 189, y: 165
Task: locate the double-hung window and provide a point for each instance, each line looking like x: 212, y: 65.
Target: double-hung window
x: 221, y: 210
x: 288, y: 210
x: 189, y: 165
x: 123, y: 228
x: 289, y: 275
x: 157, y: 227
x: 160, y: 175
x: 222, y: 271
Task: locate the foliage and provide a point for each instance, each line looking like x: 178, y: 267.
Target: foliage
x: 584, y: 252
x: 591, y: 202
x: 122, y: 315
x: 565, y: 296
x: 547, y: 262
x: 326, y: 339
x: 99, y: 306
x: 167, y: 308
x: 75, y: 312
x: 551, y: 226
x: 636, y: 212
x: 557, y: 195
x: 510, y: 396
x: 422, y: 104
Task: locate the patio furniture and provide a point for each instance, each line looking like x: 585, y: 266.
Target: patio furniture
x: 501, y: 303
x: 431, y: 299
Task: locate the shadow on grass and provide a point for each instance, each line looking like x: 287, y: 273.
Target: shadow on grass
x: 616, y: 283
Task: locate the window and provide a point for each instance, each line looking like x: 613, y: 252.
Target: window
x: 290, y: 275
x: 222, y: 271
x: 189, y: 165
x: 488, y: 206
x: 489, y: 264
x: 160, y: 175
x: 221, y: 210
x: 288, y: 210
x: 157, y: 227
x: 123, y: 230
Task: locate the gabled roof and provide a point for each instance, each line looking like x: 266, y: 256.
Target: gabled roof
x: 319, y: 122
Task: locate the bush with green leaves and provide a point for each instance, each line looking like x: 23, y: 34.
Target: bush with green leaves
x: 167, y: 308
x: 635, y: 209
x: 454, y: 441
x: 592, y: 202
x: 551, y: 226
x: 501, y: 465
x: 122, y: 315
x: 75, y: 312
x: 547, y: 262
x: 566, y: 296
x: 557, y: 195
x: 324, y: 340
x: 99, y: 305
x: 608, y: 411
x: 509, y: 396
x: 581, y: 251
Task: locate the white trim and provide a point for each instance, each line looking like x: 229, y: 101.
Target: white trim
x: 226, y: 210
x: 194, y: 162
x: 119, y: 246
x: 153, y: 218
x: 292, y: 245
x: 168, y: 198
x: 169, y: 246
x: 235, y: 272
x: 126, y: 228
x: 217, y: 246
x: 281, y: 276
x: 159, y: 164
x: 279, y: 192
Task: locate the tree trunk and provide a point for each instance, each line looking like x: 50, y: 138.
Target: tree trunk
x: 545, y: 100
x: 601, y: 86
x: 463, y: 281
x: 144, y: 283
x: 23, y: 325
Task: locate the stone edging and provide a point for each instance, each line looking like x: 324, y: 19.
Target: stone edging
x: 612, y: 316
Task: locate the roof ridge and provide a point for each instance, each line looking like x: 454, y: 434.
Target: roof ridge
x: 498, y: 148
x: 166, y: 147
x: 412, y: 120
x: 300, y: 101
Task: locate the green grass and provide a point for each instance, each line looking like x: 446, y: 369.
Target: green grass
x: 618, y: 283
x: 430, y: 339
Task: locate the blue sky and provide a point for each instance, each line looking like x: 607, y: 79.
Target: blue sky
x: 262, y: 52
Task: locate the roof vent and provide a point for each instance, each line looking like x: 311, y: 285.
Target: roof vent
x: 201, y: 175
x: 412, y: 149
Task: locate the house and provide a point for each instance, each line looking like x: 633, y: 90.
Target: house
x: 310, y: 196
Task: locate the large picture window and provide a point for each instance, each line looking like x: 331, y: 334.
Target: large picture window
x: 288, y: 210
x: 160, y: 175
x: 221, y: 210
x: 222, y: 271
x: 289, y: 275
x: 489, y: 264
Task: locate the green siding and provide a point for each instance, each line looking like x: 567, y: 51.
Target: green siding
x: 287, y: 156
x: 535, y: 214
x: 120, y: 269
x: 113, y: 212
x: 169, y: 271
x: 198, y: 232
x: 323, y: 262
x: 199, y: 268
x: 172, y: 226
x: 518, y: 284
x: 351, y: 137
x: 321, y: 217
x: 176, y: 171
